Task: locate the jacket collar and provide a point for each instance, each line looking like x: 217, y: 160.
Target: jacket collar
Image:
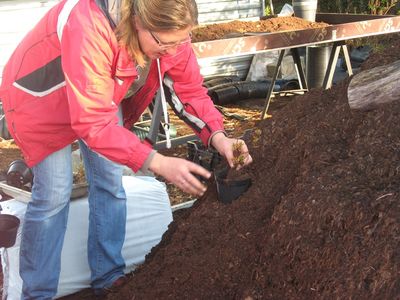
x: 111, y: 9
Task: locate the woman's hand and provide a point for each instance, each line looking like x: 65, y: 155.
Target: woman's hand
x: 180, y: 172
x: 226, y: 146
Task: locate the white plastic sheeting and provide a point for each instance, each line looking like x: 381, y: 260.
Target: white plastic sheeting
x: 148, y: 216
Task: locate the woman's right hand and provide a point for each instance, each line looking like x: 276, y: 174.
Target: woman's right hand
x: 180, y: 172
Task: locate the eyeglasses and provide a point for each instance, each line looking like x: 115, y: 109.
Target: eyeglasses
x: 165, y: 46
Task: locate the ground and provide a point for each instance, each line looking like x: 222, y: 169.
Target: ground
x: 320, y: 220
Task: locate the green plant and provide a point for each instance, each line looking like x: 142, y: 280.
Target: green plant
x: 381, y: 7
x: 357, y: 6
x: 267, y: 10
x: 238, y: 156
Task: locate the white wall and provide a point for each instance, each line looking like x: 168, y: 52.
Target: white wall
x: 223, y: 10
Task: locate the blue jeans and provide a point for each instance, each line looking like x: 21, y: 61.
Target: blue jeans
x: 46, y: 220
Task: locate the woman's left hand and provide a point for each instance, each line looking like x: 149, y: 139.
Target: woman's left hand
x: 226, y: 146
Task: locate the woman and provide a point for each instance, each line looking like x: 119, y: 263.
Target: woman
x: 67, y: 81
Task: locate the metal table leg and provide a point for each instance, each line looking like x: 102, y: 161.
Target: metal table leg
x: 299, y: 68
x: 330, y: 70
x: 271, y: 87
x: 300, y: 75
x: 155, y: 127
x: 155, y: 119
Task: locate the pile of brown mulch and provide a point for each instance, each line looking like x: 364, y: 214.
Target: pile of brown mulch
x: 320, y: 221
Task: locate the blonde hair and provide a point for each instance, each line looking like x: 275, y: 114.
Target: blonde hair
x: 155, y: 15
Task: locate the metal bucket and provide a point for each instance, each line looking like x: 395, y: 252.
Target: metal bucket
x: 305, y: 9
x: 317, y: 59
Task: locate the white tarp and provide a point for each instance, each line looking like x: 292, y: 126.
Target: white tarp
x: 148, y: 216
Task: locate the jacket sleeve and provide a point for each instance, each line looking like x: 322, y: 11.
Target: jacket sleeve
x: 88, y: 48
x: 186, y: 86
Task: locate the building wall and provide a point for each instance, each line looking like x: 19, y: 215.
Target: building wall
x: 219, y: 11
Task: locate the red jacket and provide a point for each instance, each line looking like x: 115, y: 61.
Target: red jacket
x: 56, y: 92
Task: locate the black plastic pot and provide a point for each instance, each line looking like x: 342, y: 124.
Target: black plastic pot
x: 202, y: 156
x: 19, y: 174
x: 230, y: 189
x: 8, y: 230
